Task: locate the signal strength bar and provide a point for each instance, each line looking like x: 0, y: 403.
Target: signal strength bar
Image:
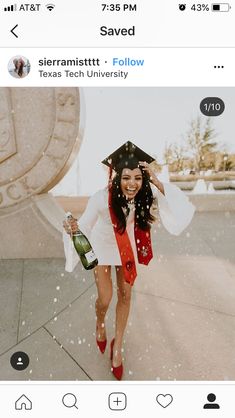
x: 11, y: 8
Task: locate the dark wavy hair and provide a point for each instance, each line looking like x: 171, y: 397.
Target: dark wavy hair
x: 19, y: 70
x: 143, y: 202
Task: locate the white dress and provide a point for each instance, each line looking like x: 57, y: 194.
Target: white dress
x: 175, y: 210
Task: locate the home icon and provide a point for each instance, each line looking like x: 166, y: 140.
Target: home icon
x: 23, y: 403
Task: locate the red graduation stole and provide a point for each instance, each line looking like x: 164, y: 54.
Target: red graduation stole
x: 143, y: 245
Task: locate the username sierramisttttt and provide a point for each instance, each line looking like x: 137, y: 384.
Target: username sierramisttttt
x: 76, y: 62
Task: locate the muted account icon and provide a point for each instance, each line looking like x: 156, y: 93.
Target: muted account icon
x: 19, y: 360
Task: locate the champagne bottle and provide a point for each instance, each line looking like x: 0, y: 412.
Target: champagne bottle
x: 83, y: 248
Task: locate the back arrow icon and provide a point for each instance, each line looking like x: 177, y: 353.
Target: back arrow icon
x: 12, y: 31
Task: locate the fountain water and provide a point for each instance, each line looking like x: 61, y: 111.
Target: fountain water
x: 211, y: 188
x: 200, y: 187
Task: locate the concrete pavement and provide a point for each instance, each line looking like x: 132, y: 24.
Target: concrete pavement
x: 181, y: 324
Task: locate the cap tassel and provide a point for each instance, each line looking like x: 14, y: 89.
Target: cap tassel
x: 110, y: 176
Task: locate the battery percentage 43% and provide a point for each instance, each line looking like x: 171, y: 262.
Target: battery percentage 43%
x: 200, y: 7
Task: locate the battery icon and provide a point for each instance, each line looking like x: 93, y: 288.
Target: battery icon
x: 220, y: 7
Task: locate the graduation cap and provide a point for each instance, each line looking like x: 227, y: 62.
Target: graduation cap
x: 128, y: 155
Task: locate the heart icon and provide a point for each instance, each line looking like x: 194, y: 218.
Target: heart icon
x: 164, y: 400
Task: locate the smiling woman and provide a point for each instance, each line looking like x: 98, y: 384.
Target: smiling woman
x: 131, y: 182
x: 117, y: 222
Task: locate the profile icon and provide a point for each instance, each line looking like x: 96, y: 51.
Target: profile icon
x: 19, y: 66
x: 211, y: 402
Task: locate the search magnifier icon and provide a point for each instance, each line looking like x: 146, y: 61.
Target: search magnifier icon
x: 69, y: 400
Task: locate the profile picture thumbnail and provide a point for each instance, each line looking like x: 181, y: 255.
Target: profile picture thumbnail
x: 19, y: 66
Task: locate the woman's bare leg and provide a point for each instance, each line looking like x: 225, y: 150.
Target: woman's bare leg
x: 122, y: 313
x: 105, y: 290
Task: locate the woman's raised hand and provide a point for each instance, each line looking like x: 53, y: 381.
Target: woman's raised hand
x: 146, y: 167
x: 152, y: 176
x: 70, y: 225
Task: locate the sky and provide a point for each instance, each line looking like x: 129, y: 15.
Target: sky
x: 149, y: 117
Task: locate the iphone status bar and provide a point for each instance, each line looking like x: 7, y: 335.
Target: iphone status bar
x: 120, y: 24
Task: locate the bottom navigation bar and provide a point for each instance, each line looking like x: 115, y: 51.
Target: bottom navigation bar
x: 100, y: 399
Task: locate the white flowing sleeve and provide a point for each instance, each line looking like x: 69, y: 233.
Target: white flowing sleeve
x: 86, y: 223
x: 175, y: 209
x: 91, y: 213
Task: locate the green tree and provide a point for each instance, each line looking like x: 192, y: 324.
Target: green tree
x: 200, y: 141
x: 175, y: 154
